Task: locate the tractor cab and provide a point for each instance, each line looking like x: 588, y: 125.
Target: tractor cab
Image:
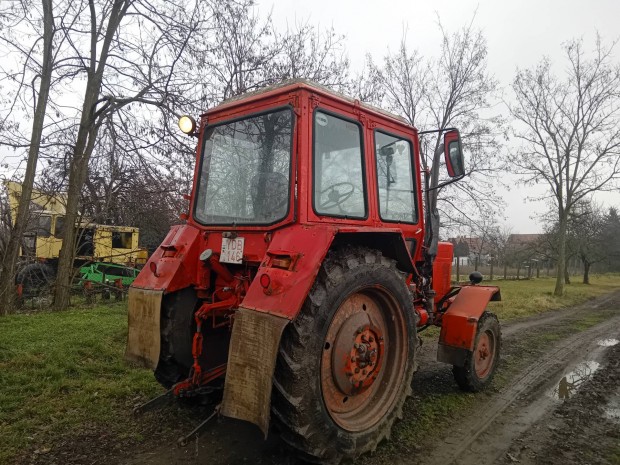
x: 306, y: 266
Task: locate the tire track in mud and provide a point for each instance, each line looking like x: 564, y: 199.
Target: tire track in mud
x: 473, y: 442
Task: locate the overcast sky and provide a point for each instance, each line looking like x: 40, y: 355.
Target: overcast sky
x: 518, y: 33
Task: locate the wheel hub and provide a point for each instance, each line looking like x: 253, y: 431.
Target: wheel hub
x: 484, y: 355
x: 360, y: 366
x: 358, y: 386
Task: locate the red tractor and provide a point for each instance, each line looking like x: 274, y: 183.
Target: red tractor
x: 305, y: 269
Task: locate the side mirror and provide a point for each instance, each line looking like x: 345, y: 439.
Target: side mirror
x: 454, y: 154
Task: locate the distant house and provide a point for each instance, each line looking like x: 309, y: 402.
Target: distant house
x: 468, y: 249
x: 524, y: 239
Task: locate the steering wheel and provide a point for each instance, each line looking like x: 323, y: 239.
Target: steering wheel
x: 335, y: 198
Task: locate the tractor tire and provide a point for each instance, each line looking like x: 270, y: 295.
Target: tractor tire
x: 346, y: 362
x: 481, y: 364
x: 35, y: 279
x: 177, y: 331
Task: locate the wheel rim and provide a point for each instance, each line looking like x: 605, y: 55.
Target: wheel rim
x: 484, y: 354
x: 364, y: 359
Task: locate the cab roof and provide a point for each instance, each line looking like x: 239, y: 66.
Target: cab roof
x: 296, y: 84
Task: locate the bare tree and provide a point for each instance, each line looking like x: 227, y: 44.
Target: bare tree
x: 132, y: 64
x: 249, y: 53
x: 482, y: 232
x: 453, y: 90
x: 570, y: 131
x: 43, y: 65
x: 611, y: 238
x: 588, y: 226
x: 499, y: 239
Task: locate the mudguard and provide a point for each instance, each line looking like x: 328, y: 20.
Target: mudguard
x: 143, y: 336
x: 251, y: 362
x: 460, y: 322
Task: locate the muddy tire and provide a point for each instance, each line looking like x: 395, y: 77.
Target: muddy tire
x: 345, y: 363
x: 481, y: 364
x: 177, y: 330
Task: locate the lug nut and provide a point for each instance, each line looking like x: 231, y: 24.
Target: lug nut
x: 356, y: 345
x: 357, y: 370
x: 371, y: 340
x: 364, y: 372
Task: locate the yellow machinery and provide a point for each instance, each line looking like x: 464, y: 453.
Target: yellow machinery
x: 43, y: 238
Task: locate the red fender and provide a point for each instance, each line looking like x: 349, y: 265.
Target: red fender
x: 292, y: 262
x: 168, y: 269
x: 460, y: 322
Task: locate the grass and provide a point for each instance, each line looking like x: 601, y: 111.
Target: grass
x: 528, y: 297
x: 62, y: 373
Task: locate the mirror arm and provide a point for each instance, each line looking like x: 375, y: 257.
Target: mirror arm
x: 445, y: 183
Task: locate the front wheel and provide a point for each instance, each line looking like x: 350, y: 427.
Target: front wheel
x: 346, y: 362
x: 481, y: 364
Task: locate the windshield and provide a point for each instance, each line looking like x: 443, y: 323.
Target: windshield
x: 245, y: 172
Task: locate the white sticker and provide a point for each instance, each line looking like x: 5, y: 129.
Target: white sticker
x: 321, y: 119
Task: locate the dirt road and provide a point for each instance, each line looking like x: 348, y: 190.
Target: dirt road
x: 556, y: 399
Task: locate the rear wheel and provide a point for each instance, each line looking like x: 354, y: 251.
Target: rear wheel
x: 346, y: 362
x: 481, y: 364
x: 177, y: 330
x: 36, y: 279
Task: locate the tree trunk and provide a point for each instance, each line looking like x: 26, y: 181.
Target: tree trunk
x: 85, y: 143
x: 586, y: 271
x: 559, y: 280
x: 505, y: 271
x: 518, y: 272
x: 566, y: 275
x: 476, y: 264
x: 77, y: 175
x: 9, y: 262
x: 491, y: 270
x: 458, y: 270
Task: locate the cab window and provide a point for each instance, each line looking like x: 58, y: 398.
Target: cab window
x: 395, y: 179
x: 339, y: 188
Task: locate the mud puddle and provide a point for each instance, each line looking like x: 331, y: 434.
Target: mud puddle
x: 571, y: 381
x: 611, y: 411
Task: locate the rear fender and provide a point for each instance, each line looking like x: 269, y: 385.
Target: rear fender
x: 460, y: 322
x: 291, y: 264
x: 174, y: 262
